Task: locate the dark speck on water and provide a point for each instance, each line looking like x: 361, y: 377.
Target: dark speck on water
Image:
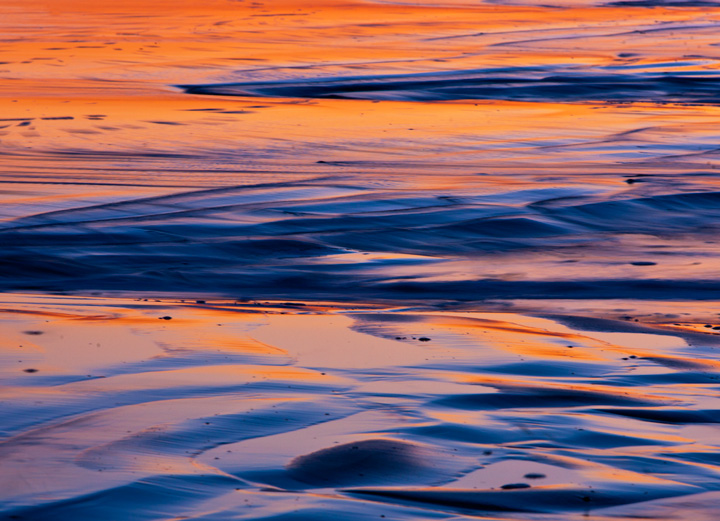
x: 514, y: 486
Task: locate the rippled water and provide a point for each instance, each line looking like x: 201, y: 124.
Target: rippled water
x: 531, y: 186
x: 122, y: 409
x: 445, y: 150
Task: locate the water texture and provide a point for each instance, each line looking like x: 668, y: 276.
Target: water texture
x: 134, y: 409
x: 558, y: 84
x: 432, y: 150
x: 349, y: 259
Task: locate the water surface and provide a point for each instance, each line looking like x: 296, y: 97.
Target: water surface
x: 140, y: 409
x: 445, y: 150
x: 359, y: 259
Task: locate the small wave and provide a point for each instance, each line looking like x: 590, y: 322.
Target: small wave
x: 558, y: 85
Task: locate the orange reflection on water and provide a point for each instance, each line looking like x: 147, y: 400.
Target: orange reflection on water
x: 100, y: 144
x: 238, y: 390
x: 116, y: 64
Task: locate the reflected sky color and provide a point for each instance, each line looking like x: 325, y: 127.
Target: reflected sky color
x: 423, y: 150
x: 349, y: 259
x: 249, y: 407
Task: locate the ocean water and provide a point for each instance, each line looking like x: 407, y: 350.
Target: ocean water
x: 532, y: 186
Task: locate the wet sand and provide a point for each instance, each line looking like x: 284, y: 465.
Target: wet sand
x: 149, y: 409
x: 439, y: 150
x: 359, y: 259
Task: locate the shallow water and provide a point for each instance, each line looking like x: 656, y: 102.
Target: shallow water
x: 310, y: 189
x: 282, y: 411
x: 439, y: 150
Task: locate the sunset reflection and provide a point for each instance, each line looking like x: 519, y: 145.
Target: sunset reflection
x: 359, y: 259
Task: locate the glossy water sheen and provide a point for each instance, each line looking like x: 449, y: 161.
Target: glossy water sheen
x: 283, y: 411
x: 445, y: 150
x: 533, y: 186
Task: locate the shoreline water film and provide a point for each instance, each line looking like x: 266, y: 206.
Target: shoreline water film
x: 356, y: 259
